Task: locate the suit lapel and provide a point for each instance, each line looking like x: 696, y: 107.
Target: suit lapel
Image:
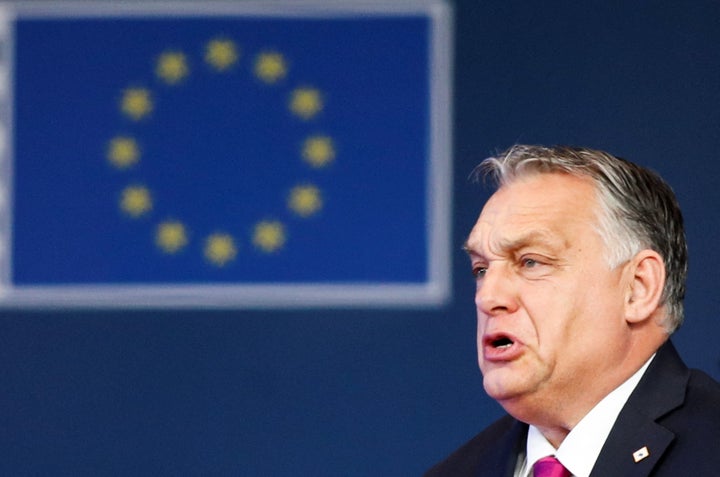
x: 642, y: 440
x: 500, y: 460
x: 637, y: 442
x: 499, y: 449
x: 509, y: 457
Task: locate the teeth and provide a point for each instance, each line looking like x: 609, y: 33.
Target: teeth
x: 506, y: 345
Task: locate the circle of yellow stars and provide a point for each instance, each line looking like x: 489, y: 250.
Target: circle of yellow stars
x: 172, y: 67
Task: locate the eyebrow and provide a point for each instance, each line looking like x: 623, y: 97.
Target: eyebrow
x: 535, y: 237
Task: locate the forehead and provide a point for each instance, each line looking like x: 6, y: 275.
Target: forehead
x: 555, y: 209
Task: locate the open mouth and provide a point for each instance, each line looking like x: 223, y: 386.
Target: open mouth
x: 501, y: 342
x: 501, y: 347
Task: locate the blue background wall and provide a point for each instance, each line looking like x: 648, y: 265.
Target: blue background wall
x: 379, y: 392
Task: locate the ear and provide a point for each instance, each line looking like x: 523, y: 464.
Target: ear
x: 646, y: 273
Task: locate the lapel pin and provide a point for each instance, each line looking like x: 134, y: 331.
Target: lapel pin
x: 640, y: 454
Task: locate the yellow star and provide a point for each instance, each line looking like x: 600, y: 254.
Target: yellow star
x: 306, y: 102
x: 318, y: 151
x: 136, y: 103
x: 135, y: 201
x: 171, y: 236
x: 220, y: 249
x: 172, y: 67
x: 305, y: 200
x: 123, y: 152
x: 270, y: 67
x: 269, y: 236
x: 221, y: 54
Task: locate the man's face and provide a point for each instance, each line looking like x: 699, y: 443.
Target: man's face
x: 549, y: 308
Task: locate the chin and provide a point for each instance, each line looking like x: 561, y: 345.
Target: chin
x: 499, y: 389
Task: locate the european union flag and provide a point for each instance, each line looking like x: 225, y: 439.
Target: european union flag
x: 225, y: 154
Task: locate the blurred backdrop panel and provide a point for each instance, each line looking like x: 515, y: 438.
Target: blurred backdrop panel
x: 246, y: 154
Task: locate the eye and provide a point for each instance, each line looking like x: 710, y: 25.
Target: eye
x: 534, y: 265
x: 479, y: 272
x: 529, y: 262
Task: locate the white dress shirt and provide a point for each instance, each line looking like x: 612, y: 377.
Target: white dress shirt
x: 582, y: 446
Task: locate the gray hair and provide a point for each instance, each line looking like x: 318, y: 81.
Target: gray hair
x: 638, y: 209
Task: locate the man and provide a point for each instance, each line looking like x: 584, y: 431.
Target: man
x: 580, y: 261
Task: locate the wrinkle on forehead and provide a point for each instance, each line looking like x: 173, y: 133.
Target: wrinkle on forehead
x: 513, y: 219
x: 536, y: 237
x: 496, y: 244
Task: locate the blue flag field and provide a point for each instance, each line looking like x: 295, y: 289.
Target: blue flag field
x: 235, y: 154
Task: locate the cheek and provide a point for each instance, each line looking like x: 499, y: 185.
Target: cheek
x: 578, y: 324
x: 551, y: 318
x: 479, y: 330
x: 481, y: 324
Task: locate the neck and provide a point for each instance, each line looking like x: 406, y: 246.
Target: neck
x: 557, y: 416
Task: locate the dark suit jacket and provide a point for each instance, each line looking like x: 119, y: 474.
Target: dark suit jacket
x: 673, y: 411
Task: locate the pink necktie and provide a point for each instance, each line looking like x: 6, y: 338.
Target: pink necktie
x: 549, y: 467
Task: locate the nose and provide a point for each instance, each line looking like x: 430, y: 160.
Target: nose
x: 495, y: 294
